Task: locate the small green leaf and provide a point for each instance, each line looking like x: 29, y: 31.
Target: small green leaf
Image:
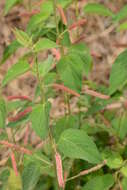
x: 16, y: 70
x: 23, y: 38
x: 9, y: 50
x: 77, y: 144
x: 2, y: 113
x: 114, y: 161
x: 122, y: 14
x: 124, y: 170
x: 97, y: 8
x: 40, y: 119
x: 14, y: 182
x: 9, y: 4
x: 44, y: 44
x: 30, y: 176
x: 104, y: 182
x: 118, y: 76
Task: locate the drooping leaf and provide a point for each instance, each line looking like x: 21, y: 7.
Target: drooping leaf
x: 40, y: 119
x: 77, y: 144
x: 2, y: 113
x: 81, y: 51
x: 97, y: 8
x: 23, y: 38
x: 30, y: 176
x: 9, y: 4
x: 122, y: 14
x: 9, y: 50
x: 118, y: 76
x: 104, y: 182
x: 16, y: 70
x: 72, y: 66
x: 14, y: 182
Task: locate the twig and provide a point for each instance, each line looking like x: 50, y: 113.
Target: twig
x: 85, y: 172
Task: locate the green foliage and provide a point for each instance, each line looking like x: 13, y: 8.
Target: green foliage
x: 99, y: 9
x: 44, y: 44
x: 16, y: 70
x: 100, y: 182
x: 14, y: 182
x: 10, y: 50
x: 87, y: 139
x: 2, y: 113
x: 30, y: 176
x: 118, y: 76
x: 77, y: 144
x: 40, y: 119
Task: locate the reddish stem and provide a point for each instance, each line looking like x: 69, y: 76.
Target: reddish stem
x: 65, y: 89
x: 18, y: 97
x: 62, y: 14
x: 20, y: 115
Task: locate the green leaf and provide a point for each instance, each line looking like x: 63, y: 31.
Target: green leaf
x: 9, y: 50
x: 44, y: 44
x: 124, y: 170
x: 114, y: 161
x: 44, y: 67
x: 82, y: 52
x: 72, y: 66
x: 69, y: 73
x: 16, y: 70
x: 97, y: 8
x: 64, y: 123
x: 3, y: 112
x: 118, y: 76
x: 77, y: 144
x: 23, y: 38
x: 121, y: 15
x: 41, y: 161
x: 40, y: 119
x: 9, y: 4
x: 123, y: 129
x: 14, y: 182
x: 30, y: 176
x: 45, y: 11
x: 104, y: 182
x: 124, y: 183
x: 122, y: 26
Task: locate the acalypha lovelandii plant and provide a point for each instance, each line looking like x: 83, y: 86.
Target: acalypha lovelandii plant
x: 86, y: 147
